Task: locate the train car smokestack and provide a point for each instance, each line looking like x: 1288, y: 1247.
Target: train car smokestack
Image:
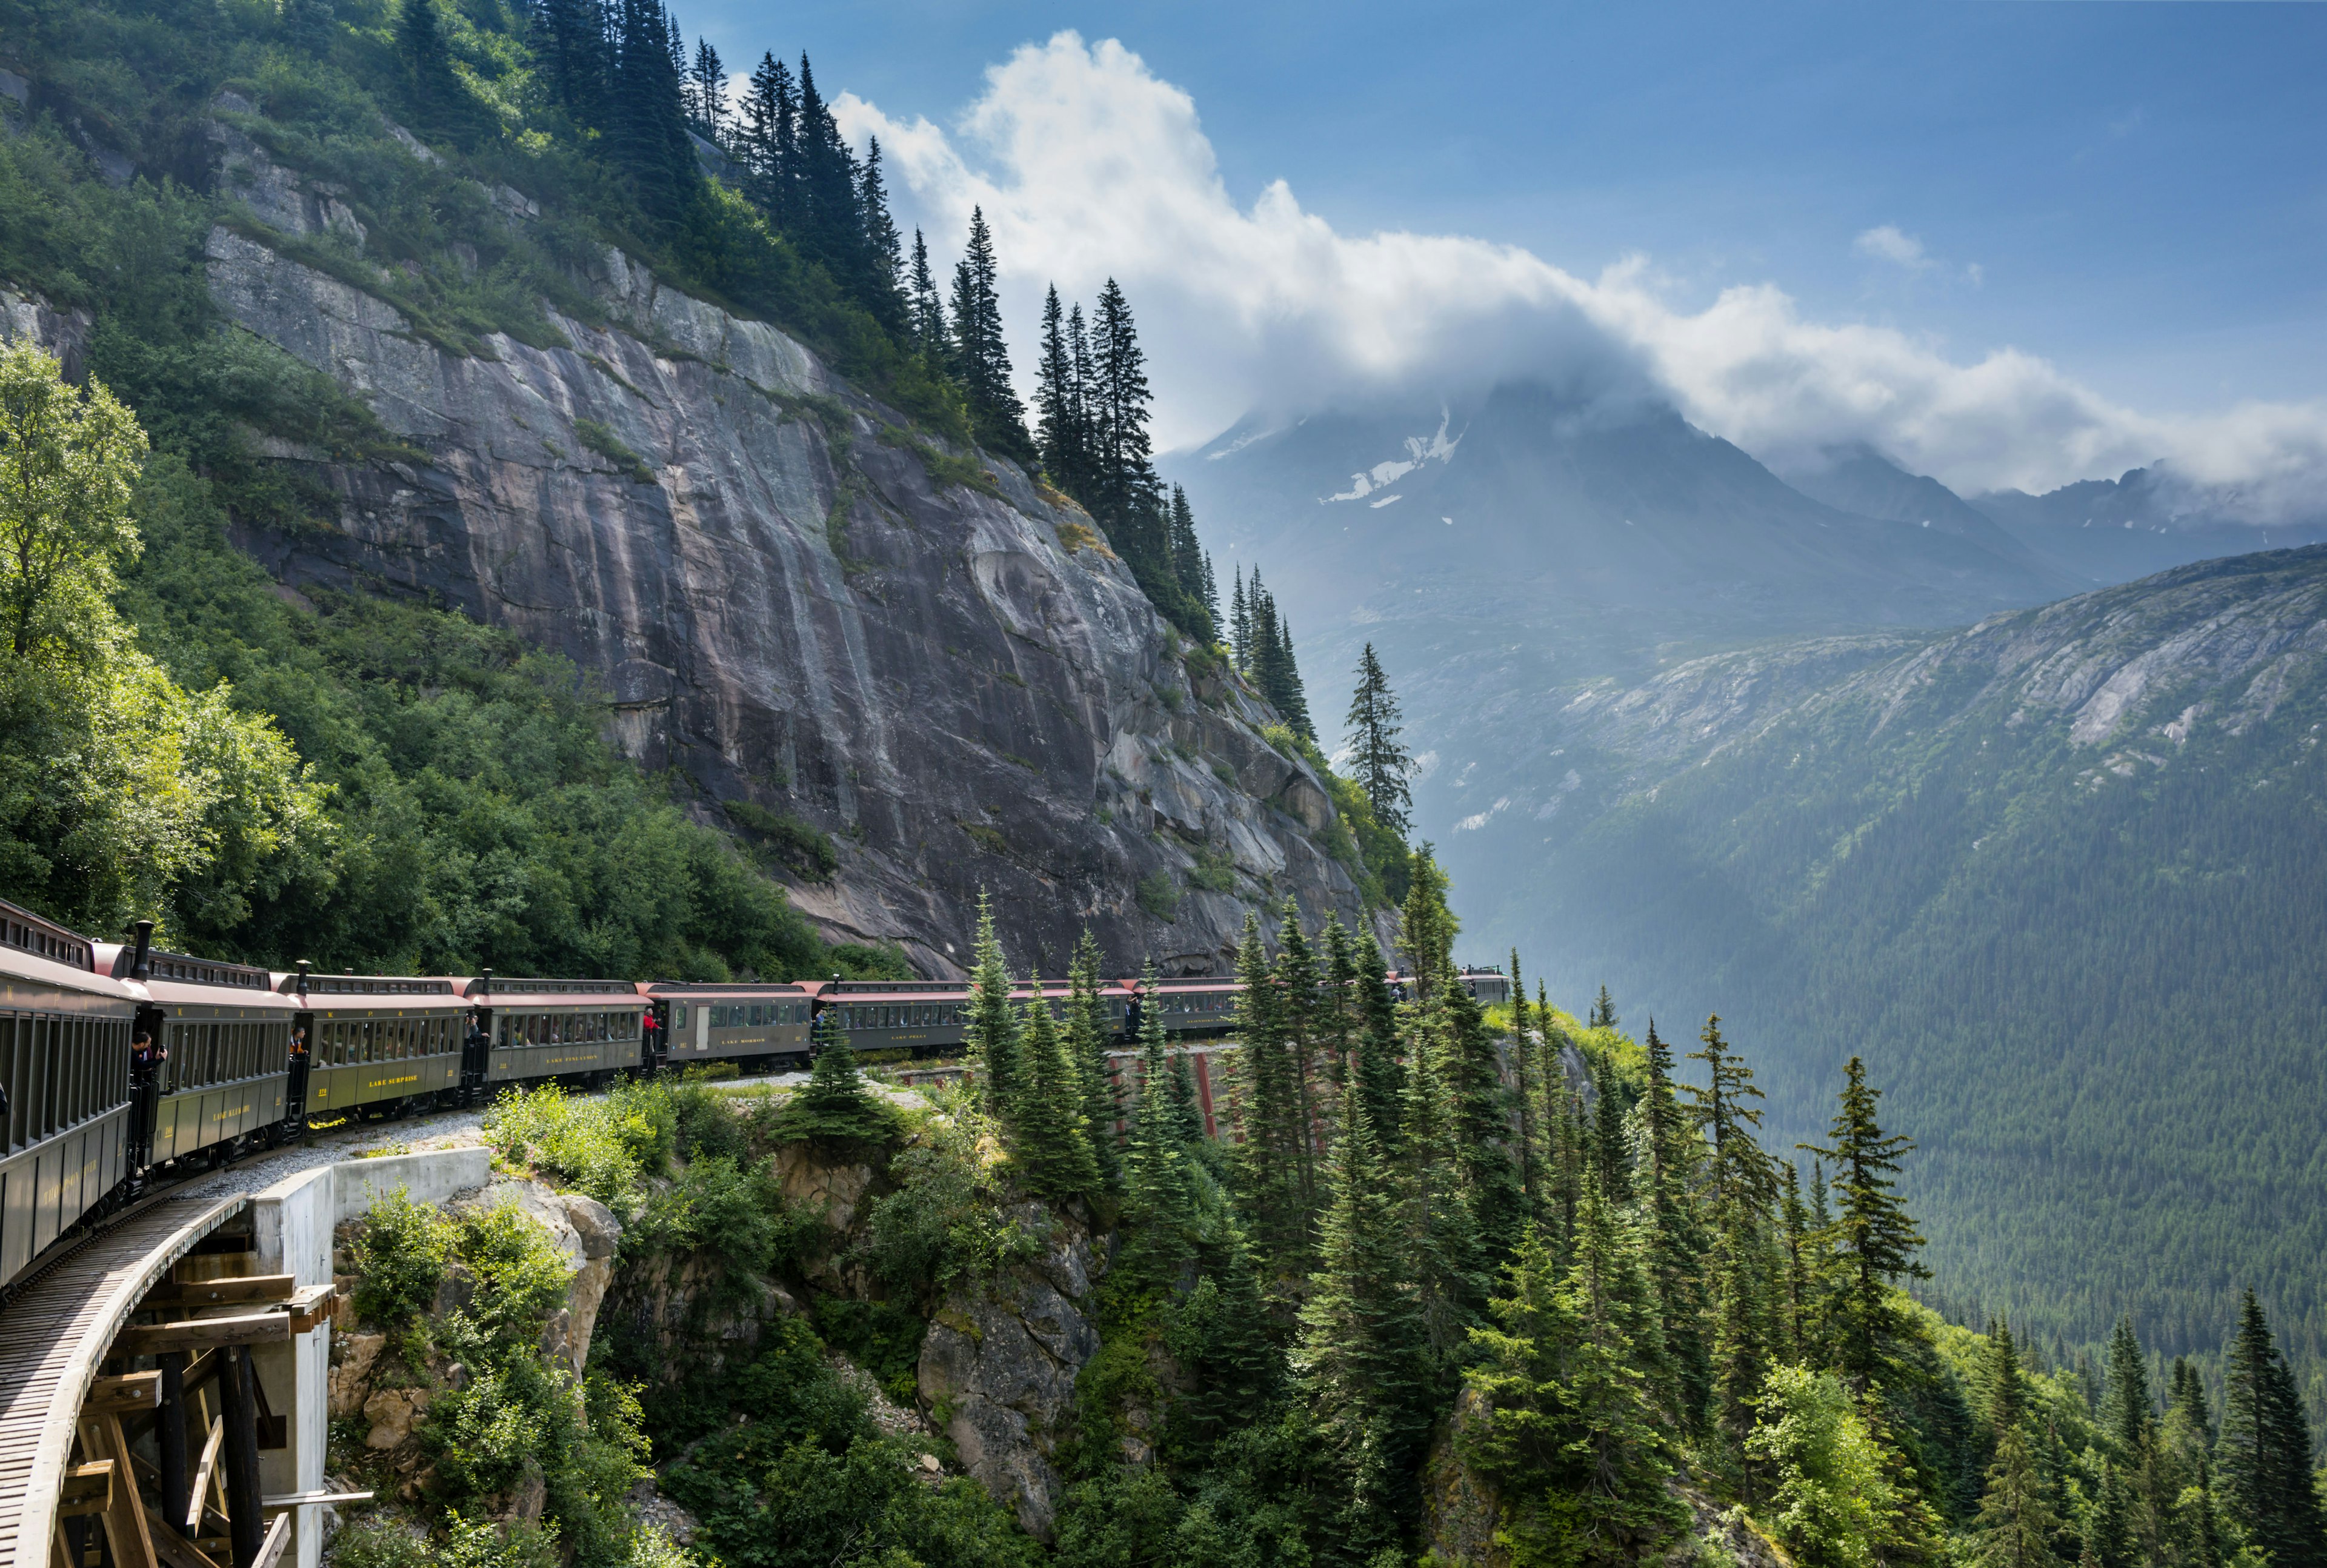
x: 303, y: 968
x: 485, y: 983
x: 137, y: 965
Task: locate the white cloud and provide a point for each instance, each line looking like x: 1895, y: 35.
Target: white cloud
x: 1889, y: 244
x: 1089, y: 166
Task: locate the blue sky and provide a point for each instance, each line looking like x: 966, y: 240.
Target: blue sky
x: 2140, y: 188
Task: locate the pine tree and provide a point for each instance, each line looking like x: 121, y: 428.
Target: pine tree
x: 835, y: 1103
x: 1490, y: 1174
x: 1221, y: 1335
x: 441, y: 104
x: 1270, y: 1161
x: 1360, y: 1360
x: 930, y: 332
x: 1441, y: 1238
x: 1382, y: 1076
x: 1048, y: 1134
x: 1158, y: 1205
x: 1874, y: 1240
x: 1604, y: 1010
x: 981, y: 355
x: 2125, y: 1411
x: 1239, y: 624
x: 1188, y: 564
x: 1380, y: 763
x: 1211, y: 596
x: 647, y: 132
x: 1085, y: 1041
x: 1082, y: 381
x: 1187, y: 1107
x: 885, y: 260
x: 1295, y: 974
x: 1741, y: 1170
x: 1057, y: 416
x: 1673, y: 1243
x: 1526, y: 1074
x: 768, y: 141
x: 827, y: 222
x: 1611, y: 1155
x: 2265, y: 1449
x: 1292, y: 699
x: 2016, y: 1524
x: 570, y: 43
x: 990, y: 1037
x: 1123, y: 477
x: 706, y: 93
x: 1798, y: 1291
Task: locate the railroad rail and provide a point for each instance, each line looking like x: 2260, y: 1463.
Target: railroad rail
x: 53, y: 1340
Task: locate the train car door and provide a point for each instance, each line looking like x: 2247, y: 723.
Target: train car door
x: 302, y: 1055
x: 702, y: 1027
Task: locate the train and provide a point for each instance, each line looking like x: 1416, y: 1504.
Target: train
x: 122, y: 1063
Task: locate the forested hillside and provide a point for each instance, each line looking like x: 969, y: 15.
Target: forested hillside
x: 1467, y: 1290
x: 2058, y: 879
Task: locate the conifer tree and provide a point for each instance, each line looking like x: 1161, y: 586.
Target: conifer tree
x: 1359, y: 1359
x: 1797, y: 1290
x: 1723, y: 1112
x: 1188, y: 554
x: 1239, y: 624
x: 1057, y: 407
x: 1871, y: 1238
x: 930, y: 334
x: 1048, y: 1132
x: 1441, y: 1236
x: 570, y: 43
x: 1481, y: 1107
x: 1086, y: 1039
x: 1338, y: 1019
x: 706, y: 93
x: 2016, y: 1524
x: 981, y: 355
x: 1187, y: 1106
x: 883, y: 247
x: 1604, y: 1010
x: 2125, y: 1410
x: 1158, y: 1204
x: 1526, y: 1073
x: 1295, y: 974
x: 990, y: 1034
x: 1380, y: 763
x: 1292, y: 698
x: 835, y: 1102
x: 768, y: 141
x: 1122, y: 474
x: 1221, y: 1335
x: 1270, y: 1161
x: 441, y: 104
x: 647, y: 132
x: 2265, y: 1449
x: 1611, y: 1155
x: 1672, y: 1242
x: 1382, y: 1076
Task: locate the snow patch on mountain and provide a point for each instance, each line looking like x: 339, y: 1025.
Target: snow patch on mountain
x: 1419, y: 450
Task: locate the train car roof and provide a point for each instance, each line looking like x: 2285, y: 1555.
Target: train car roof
x: 182, y: 980
x: 376, y: 990
x: 42, y: 953
x: 704, y: 989
x: 527, y: 991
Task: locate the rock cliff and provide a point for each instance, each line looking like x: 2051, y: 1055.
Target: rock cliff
x: 798, y: 604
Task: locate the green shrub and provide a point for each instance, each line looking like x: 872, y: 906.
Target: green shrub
x: 1214, y: 870
x: 520, y: 1278
x: 496, y: 1543
x: 603, y: 441
x: 799, y: 847
x: 380, y: 1542
x: 881, y: 1337
x: 605, y: 1146
x: 399, y: 1258
x: 944, y: 1221
x: 1158, y: 896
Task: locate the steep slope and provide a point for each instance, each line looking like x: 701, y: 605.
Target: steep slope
x: 2061, y: 878
x: 1858, y: 478
x: 801, y: 605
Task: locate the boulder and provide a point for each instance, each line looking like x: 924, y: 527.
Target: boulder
x: 352, y: 1356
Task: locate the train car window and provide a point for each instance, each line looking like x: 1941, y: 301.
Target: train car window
x: 12, y: 1065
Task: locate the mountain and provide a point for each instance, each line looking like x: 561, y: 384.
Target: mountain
x: 1616, y: 505
x: 1855, y: 478
x: 2113, y: 531
x: 2061, y: 879
x: 891, y: 667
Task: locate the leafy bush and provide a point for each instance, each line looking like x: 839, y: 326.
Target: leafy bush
x: 1158, y: 896
x: 603, y: 441
x: 380, y: 1542
x: 881, y: 1337
x: 520, y: 1278
x: 738, y: 1213
x: 798, y: 846
x: 498, y: 1544
x: 606, y: 1146
x: 1834, y: 1501
x: 399, y: 1258
x: 944, y: 1221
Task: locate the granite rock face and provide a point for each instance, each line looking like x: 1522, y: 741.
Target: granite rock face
x: 797, y: 603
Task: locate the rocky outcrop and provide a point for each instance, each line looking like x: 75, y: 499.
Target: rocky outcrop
x: 587, y: 1234
x: 800, y: 603
x: 999, y: 1365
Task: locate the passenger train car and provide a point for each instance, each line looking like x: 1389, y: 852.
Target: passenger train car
x: 219, y: 1084
x: 64, y: 1067
x: 119, y: 1059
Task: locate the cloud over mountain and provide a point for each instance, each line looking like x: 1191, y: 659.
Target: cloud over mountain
x: 1089, y: 166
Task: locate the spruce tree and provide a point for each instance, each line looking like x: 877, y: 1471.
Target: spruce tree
x: 981, y: 354
x: 1724, y: 1114
x: 2125, y: 1410
x: 1673, y: 1243
x: 1187, y: 1106
x: 1292, y: 698
x: 570, y: 44
x: 1269, y: 1159
x: 769, y: 142
x: 1295, y: 976
x: 884, y: 248
x: 1158, y: 1203
x: 835, y: 1102
x: 2265, y: 1449
x: 930, y: 332
x: 1871, y: 1238
x: 1797, y: 1290
x: 1086, y: 1039
x: 1381, y: 1076
x: 990, y: 1034
x: 1239, y: 624
x: 1048, y: 1134
x: 1604, y: 1010
x: 440, y: 102
x: 1380, y: 764
x: 1612, y: 1153
x: 1440, y: 1235
x: 1489, y: 1174
x: 2016, y: 1524
x: 706, y: 93
x: 1360, y: 1360
x: 1057, y: 416
x: 647, y: 133
x: 1525, y: 1072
